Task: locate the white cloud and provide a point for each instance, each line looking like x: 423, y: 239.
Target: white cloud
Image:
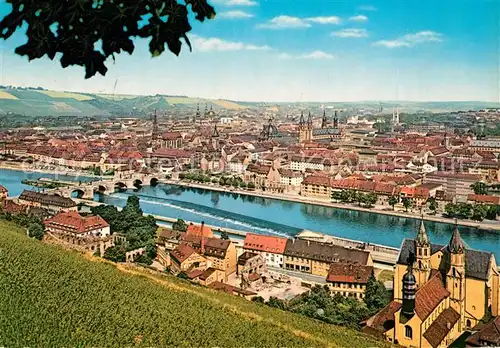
x: 367, y: 8
x: 350, y: 33
x: 324, y: 20
x: 236, y: 2
x: 359, y: 18
x: 285, y: 22
x: 203, y: 44
x: 409, y: 40
x: 312, y: 55
x: 235, y: 14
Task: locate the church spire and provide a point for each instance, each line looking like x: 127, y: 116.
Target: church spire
x: 324, y: 121
x: 301, y: 121
x: 456, y: 245
x: 335, y: 121
x: 309, y: 120
x: 422, y: 237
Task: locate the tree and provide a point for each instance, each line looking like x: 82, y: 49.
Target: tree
x: 479, y: 212
x: 393, y: 201
x: 493, y: 212
x: 432, y: 204
x: 370, y: 199
x: 224, y: 235
x: 36, y: 230
x: 251, y: 185
x: 376, y: 295
x: 407, y: 203
x: 480, y: 188
x: 180, y: 225
x: 276, y: 303
x: 337, y: 196
x: 54, y: 28
x: 116, y: 253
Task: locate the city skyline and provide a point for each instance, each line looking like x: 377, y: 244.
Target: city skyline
x: 355, y: 51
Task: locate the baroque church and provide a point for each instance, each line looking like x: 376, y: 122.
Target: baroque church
x: 308, y: 133
x: 440, y: 291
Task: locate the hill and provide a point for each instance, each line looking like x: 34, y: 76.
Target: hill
x: 40, y: 102
x: 53, y: 298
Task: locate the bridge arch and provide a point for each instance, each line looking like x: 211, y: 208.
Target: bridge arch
x: 154, y: 182
x: 137, y: 183
x: 120, y: 186
x: 100, y: 189
x: 77, y: 193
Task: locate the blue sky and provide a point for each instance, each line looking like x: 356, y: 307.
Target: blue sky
x: 305, y: 50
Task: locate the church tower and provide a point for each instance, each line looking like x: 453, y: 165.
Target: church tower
x: 309, y: 121
x: 409, y: 289
x: 305, y: 131
x: 324, y: 121
x: 423, y: 258
x: 455, y: 278
x: 335, y: 121
x: 197, y: 116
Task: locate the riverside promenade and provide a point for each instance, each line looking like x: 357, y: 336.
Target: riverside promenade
x: 484, y: 225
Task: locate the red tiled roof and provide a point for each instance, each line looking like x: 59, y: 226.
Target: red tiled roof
x: 182, y: 252
x: 484, y: 199
x: 490, y: 334
x: 199, y: 231
x: 265, y: 243
x: 171, y: 135
x: 384, y: 319
x: 349, y: 273
x: 75, y: 223
x: 429, y: 296
x: 440, y: 327
x: 317, y: 180
x: 3, y: 189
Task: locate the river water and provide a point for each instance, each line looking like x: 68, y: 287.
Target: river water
x: 272, y: 216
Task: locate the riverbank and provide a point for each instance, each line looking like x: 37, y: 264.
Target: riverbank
x: 15, y: 166
x: 483, y: 225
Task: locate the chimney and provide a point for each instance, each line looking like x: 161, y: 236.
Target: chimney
x: 448, y: 326
x: 202, y: 239
x: 308, y: 242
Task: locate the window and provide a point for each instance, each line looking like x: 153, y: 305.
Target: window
x: 468, y: 323
x: 408, y: 331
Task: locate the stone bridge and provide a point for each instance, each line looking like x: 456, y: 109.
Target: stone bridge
x: 86, y: 190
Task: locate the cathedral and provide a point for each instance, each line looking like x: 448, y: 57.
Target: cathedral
x: 308, y: 133
x: 439, y: 293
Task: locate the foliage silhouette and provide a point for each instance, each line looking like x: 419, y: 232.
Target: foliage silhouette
x: 72, y: 29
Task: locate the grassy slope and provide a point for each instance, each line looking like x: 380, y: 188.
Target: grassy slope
x: 53, y: 297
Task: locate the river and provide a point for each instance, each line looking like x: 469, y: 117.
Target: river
x: 272, y: 216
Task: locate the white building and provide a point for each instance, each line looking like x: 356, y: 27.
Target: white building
x: 271, y: 247
x: 72, y: 223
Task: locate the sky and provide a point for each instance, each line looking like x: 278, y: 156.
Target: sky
x: 303, y: 50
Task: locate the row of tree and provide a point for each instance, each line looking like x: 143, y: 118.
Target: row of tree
x: 139, y: 230
x: 202, y: 178
x: 476, y: 212
x: 339, y: 310
x: 367, y: 200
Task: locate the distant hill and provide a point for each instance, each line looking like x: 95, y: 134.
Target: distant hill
x: 39, y: 102
x: 52, y: 297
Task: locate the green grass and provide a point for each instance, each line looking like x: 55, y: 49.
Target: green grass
x: 52, y: 297
x: 66, y: 95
